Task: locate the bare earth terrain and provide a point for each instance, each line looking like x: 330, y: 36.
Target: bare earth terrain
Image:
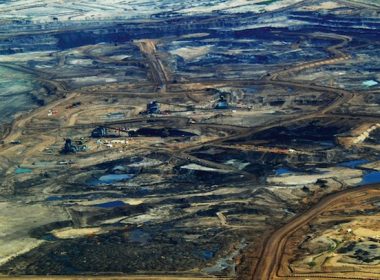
x: 190, y: 140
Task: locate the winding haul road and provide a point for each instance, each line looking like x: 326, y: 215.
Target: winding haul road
x: 271, y: 255
x: 270, y: 259
x: 159, y: 74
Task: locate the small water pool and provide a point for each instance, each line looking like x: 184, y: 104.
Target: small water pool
x: 23, y: 170
x: 370, y: 83
x: 207, y: 255
x: 115, y: 178
x: 353, y: 163
x: 283, y: 171
x: 110, y: 179
x: 371, y: 178
x: 110, y: 204
x: 88, y: 197
x: 55, y: 198
x: 326, y: 143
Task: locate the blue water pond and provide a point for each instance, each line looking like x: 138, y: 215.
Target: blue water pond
x: 111, y: 204
x: 109, y: 179
x: 371, y: 178
x: 23, y: 170
x: 283, y: 171
x: 353, y: 163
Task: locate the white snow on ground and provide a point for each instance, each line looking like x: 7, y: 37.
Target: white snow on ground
x: 74, y: 10
x: 192, y: 53
x: 340, y: 173
x: 80, y: 62
x: 277, y: 21
x: 323, y: 6
x: 194, y: 166
x: 93, y: 80
x: 23, y: 57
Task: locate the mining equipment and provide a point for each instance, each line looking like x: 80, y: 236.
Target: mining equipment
x: 99, y: 132
x: 72, y: 148
x: 222, y: 103
x: 105, y: 131
x: 153, y: 107
x: 74, y: 105
x: 161, y: 132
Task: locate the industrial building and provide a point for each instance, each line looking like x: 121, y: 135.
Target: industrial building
x: 222, y: 103
x: 153, y: 107
x: 99, y: 132
x: 71, y: 147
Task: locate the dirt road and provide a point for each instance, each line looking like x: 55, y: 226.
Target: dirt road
x: 158, y: 71
x: 271, y: 255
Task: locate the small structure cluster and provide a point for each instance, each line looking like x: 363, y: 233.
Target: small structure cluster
x: 71, y: 147
x: 222, y: 103
x: 153, y: 107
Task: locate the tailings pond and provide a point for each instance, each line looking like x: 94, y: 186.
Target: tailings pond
x: 15, y: 93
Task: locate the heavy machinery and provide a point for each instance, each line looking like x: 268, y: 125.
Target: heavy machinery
x: 221, y: 103
x: 153, y: 107
x: 106, y: 131
x: 99, y: 132
x: 71, y: 147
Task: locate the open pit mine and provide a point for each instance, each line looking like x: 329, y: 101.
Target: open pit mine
x: 190, y: 140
